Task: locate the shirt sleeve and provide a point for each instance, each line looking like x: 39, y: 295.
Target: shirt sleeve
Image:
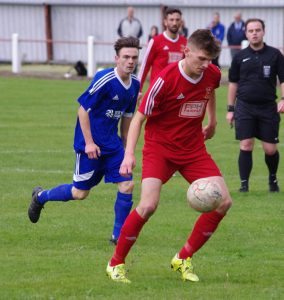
x: 119, y: 31
x: 153, y: 97
x: 91, y: 97
x: 140, y: 30
x: 280, y: 67
x: 147, y: 62
x: 218, y: 78
x: 234, y: 70
x: 229, y: 35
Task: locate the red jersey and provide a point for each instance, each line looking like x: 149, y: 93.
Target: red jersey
x: 160, y: 52
x: 175, y: 106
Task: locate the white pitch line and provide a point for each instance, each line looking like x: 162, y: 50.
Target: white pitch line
x: 22, y: 170
x: 19, y: 170
x: 34, y: 151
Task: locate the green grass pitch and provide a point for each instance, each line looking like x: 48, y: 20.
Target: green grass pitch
x: 64, y: 256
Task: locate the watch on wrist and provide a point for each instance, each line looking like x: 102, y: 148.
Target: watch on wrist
x: 230, y: 108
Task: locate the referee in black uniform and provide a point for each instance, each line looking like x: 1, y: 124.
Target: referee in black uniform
x: 252, y: 102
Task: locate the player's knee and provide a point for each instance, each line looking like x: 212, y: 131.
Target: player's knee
x: 270, y: 152
x: 247, y: 145
x: 79, y: 194
x: 225, y: 205
x: 228, y: 203
x: 126, y: 187
x: 146, y: 210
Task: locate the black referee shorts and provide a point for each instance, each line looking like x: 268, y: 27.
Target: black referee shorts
x: 257, y: 120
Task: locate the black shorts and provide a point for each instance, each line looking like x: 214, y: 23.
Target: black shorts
x: 257, y: 120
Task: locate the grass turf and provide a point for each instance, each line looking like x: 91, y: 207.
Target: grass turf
x: 64, y: 256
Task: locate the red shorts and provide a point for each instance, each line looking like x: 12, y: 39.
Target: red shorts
x: 160, y: 162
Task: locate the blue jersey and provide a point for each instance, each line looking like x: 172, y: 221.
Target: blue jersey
x: 106, y: 100
x: 219, y: 32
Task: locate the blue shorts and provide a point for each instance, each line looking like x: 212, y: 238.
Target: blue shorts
x: 89, y: 172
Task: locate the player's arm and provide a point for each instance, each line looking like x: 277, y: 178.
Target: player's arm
x: 124, y: 127
x: 91, y: 149
x: 127, y: 118
x: 209, y: 129
x: 280, y: 75
x: 232, y: 93
x: 140, y: 30
x: 281, y: 102
x: 134, y: 131
x: 119, y: 31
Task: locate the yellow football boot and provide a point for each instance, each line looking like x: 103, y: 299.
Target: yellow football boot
x: 184, y: 266
x: 117, y: 273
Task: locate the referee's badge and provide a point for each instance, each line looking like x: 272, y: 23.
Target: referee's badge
x: 266, y: 71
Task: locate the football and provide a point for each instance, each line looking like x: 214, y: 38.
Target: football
x: 204, y: 195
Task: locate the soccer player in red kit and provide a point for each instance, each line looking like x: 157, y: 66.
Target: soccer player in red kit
x: 164, y: 48
x: 174, y: 106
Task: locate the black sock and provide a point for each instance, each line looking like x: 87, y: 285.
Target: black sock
x: 245, y: 166
x: 272, y: 162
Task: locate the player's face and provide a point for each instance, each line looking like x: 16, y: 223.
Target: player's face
x: 255, y: 33
x: 127, y: 60
x: 173, y: 22
x: 196, y: 61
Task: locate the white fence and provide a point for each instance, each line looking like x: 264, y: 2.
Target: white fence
x: 91, y: 47
x: 71, y: 23
x: 18, y: 57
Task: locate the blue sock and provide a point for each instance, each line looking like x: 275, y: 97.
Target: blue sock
x: 60, y: 193
x: 122, y: 209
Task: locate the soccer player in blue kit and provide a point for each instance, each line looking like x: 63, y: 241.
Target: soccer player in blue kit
x: 99, y: 150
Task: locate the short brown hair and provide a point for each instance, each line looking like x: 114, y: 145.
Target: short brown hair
x: 172, y: 10
x: 254, y: 20
x: 203, y: 39
x: 126, y: 42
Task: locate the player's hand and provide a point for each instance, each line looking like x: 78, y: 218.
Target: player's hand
x: 230, y: 118
x: 281, y: 106
x: 93, y: 151
x: 208, y: 131
x: 127, y: 165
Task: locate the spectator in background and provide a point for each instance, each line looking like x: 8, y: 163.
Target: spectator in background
x: 236, y: 34
x: 183, y: 30
x: 130, y: 26
x: 154, y: 31
x: 164, y: 48
x: 218, y: 30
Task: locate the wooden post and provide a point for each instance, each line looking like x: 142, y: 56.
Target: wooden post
x: 48, y: 32
x: 163, y: 10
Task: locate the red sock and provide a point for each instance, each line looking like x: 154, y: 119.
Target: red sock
x: 128, y: 235
x: 204, y: 227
